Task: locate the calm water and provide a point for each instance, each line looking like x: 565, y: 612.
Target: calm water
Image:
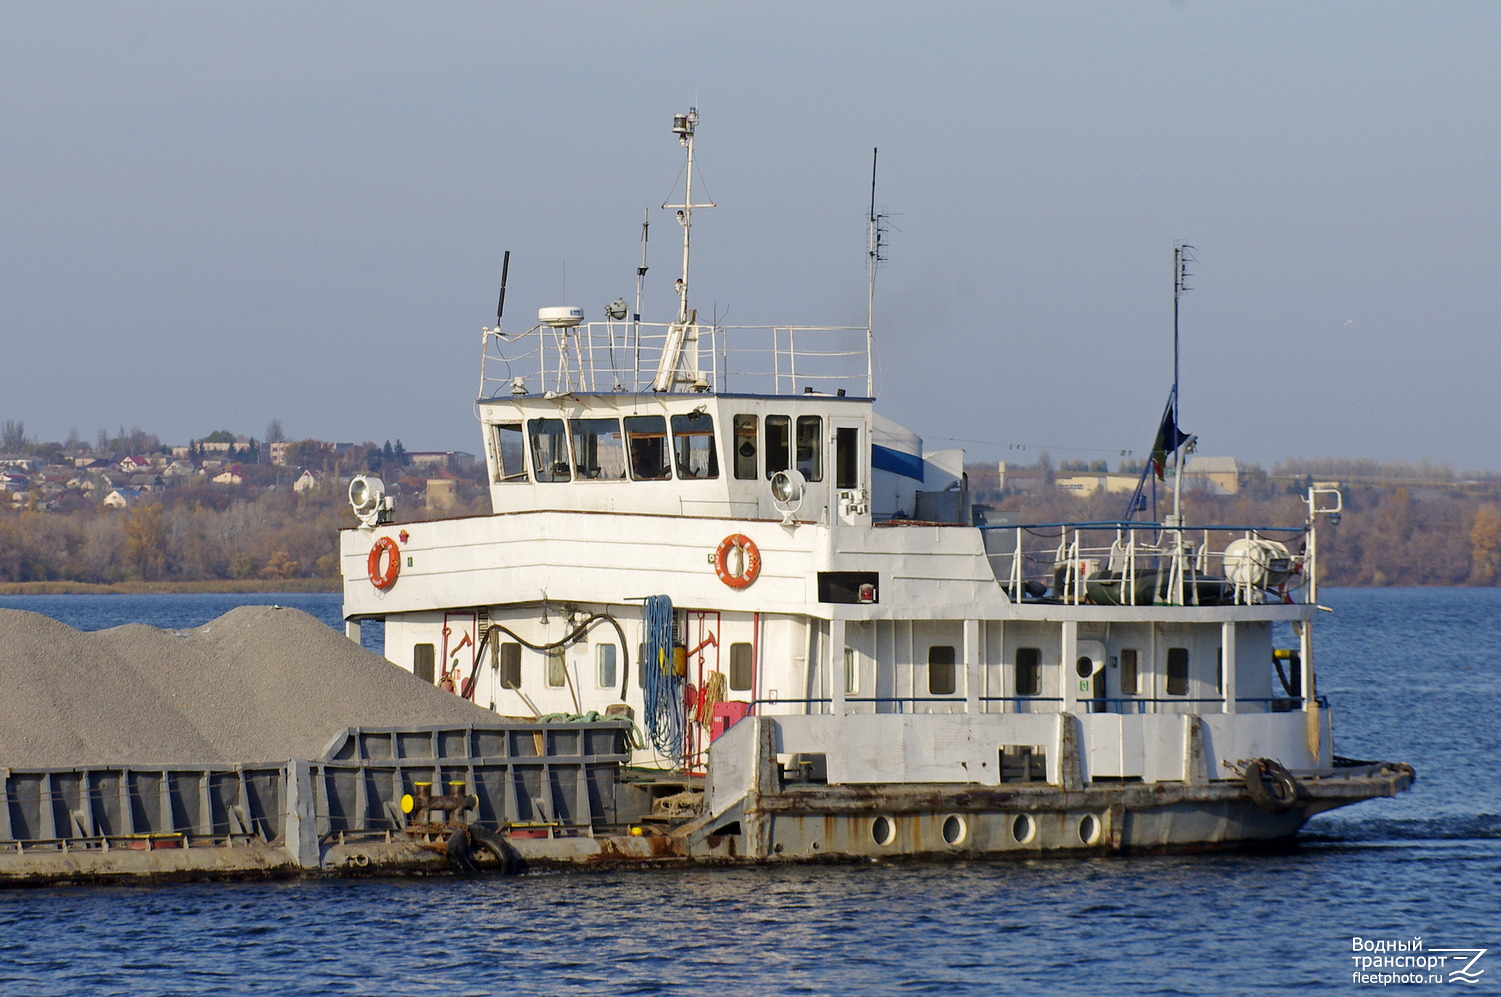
x: 1412, y: 675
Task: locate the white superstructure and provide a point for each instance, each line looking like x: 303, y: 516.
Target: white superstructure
x: 713, y: 527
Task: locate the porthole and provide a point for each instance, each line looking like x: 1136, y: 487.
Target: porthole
x: 883, y: 831
x: 1089, y: 829
x: 955, y: 830
x: 1023, y: 829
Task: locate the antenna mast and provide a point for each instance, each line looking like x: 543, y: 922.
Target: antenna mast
x: 876, y: 255
x: 684, y: 332
x: 640, y: 278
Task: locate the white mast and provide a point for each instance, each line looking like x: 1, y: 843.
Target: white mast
x: 676, y: 367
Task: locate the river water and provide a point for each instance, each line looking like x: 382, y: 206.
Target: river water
x: 1413, y: 674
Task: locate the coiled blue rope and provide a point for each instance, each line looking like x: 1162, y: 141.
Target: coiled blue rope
x: 662, y: 687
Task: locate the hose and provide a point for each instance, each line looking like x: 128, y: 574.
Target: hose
x: 578, y: 631
x: 662, y: 689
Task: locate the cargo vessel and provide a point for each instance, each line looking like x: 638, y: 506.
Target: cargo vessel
x: 708, y: 536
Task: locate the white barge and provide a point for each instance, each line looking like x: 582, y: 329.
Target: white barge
x: 711, y: 531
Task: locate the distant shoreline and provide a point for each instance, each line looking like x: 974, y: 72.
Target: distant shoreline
x: 223, y: 585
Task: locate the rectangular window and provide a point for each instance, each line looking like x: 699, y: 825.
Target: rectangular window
x: 1028, y: 671
x: 510, y: 665
x: 741, y: 667
x: 424, y: 662
x: 549, y: 450
x: 941, y: 671
x: 598, y: 449
x: 810, y: 446
x: 693, y: 445
x: 778, y: 443
x: 557, y: 669
x: 745, y: 447
x: 851, y: 672
x: 641, y: 666
x: 510, y: 452
x: 604, y: 659
x: 646, y: 439
x: 1177, y: 671
x: 1130, y: 672
x: 847, y: 457
x: 1219, y: 670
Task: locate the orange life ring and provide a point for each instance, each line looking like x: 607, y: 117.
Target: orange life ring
x: 384, y: 580
x: 750, y: 561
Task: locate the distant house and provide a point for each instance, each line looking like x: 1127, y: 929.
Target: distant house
x: 15, y: 462
x: 121, y: 498
x: 10, y: 481
x: 147, y: 482
x: 306, y: 481
x: 229, y: 476
x: 134, y: 465
x: 179, y: 469
x: 1217, y: 475
x: 453, y: 460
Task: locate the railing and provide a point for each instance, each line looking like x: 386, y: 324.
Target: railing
x: 1133, y: 564
x: 1083, y: 704
x: 629, y: 357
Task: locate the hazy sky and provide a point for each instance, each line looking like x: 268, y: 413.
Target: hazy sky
x: 217, y: 214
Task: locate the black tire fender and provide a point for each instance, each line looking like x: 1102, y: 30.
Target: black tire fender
x: 1271, y: 786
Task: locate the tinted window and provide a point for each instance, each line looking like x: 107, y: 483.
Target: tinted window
x: 745, y: 447
x: 778, y: 443
x: 693, y: 445
x: 510, y: 452
x: 598, y: 451
x: 646, y: 439
x: 510, y: 665
x: 1177, y: 671
x: 740, y: 667
x: 549, y: 450
x: 810, y: 446
x: 1028, y: 671
x: 941, y: 671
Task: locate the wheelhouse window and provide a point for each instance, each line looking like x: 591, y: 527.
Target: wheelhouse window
x: 549, y: 450
x: 646, y: 439
x: 1177, y: 671
x: 745, y: 447
x: 598, y: 449
x: 778, y: 443
x: 810, y: 446
x: 942, y: 676
x: 693, y: 445
x: 847, y: 457
x: 510, y: 452
x: 1028, y: 671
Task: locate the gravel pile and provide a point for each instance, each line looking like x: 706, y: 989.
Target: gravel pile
x: 259, y: 684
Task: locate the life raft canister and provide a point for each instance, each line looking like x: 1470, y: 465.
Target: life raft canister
x: 746, y: 564
x: 384, y: 579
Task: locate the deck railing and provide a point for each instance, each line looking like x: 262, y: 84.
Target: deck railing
x: 627, y: 357
x: 1134, y: 564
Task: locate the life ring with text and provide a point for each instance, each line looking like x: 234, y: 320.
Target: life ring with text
x: 1270, y: 786
x: 384, y: 579
x: 737, y: 561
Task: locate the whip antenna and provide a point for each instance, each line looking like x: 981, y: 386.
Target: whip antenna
x: 500, y: 306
